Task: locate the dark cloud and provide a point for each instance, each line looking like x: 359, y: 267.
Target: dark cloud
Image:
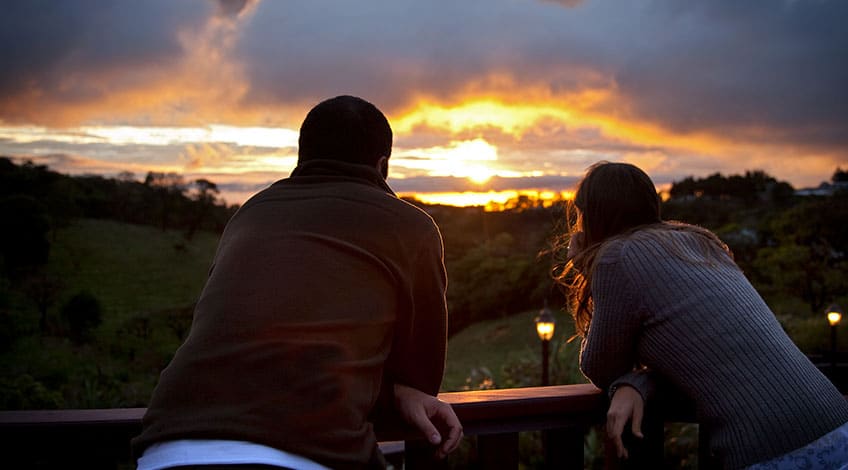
x: 231, y: 8
x: 727, y: 66
x: 392, y: 52
x: 56, y: 49
x: 758, y: 69
x: 565, y: 3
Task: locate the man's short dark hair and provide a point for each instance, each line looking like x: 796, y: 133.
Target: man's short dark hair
x: 345, y: 128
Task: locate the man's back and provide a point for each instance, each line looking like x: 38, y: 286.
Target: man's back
x: 316, y: 289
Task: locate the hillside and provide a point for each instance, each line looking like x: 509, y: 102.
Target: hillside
x: 506, y: 353
x: 145, y: 281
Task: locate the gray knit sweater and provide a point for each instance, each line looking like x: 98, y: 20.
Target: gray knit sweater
x: 701, y: 325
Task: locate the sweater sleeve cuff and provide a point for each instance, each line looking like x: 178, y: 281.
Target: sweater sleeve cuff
x: 640, y: 379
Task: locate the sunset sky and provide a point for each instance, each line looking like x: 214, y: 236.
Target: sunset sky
x: 484, y: 96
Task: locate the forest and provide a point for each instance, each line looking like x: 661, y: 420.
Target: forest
x: 99, y: 275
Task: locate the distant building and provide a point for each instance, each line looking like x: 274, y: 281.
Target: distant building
x: 824, y: 189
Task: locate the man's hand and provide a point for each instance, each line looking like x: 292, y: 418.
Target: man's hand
x: 429, y: 414
x: 626, y: 405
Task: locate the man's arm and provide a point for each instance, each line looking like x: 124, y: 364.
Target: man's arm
x: 420, y: 345
x: 416, y: 363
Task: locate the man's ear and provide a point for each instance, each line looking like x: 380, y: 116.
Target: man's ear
x: 383, y: 166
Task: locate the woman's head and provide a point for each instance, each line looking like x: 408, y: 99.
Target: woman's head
x: 613, y: 198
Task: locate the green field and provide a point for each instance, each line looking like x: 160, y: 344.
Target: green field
x: 142, y: 276
x: 147, y: 281
x: 508, y: 352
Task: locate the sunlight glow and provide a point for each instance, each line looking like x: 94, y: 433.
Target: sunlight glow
x: 275, y: 166
x: 494, y: 200
x: 475, y: 159
x: 511, y: 118
x: 156, y: 136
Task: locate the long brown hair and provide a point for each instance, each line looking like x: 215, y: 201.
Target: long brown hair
x: 613, y: 200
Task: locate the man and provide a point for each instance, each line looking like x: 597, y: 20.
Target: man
x: 324, y: 310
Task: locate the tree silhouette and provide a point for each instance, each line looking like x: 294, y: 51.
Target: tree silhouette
x: 43, y: 290
x: 24, y: 245
x: 206, y: 193
x: 170, y: 188
x: 82, y: 313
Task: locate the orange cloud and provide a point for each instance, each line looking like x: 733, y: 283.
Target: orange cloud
x: 201, y: 84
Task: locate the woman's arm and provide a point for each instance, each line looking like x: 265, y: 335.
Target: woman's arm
x: 609, y: 349
x: 627, y: 405
x: 628, y: 396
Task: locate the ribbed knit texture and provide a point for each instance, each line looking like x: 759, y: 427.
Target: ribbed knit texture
x: 703, y: 327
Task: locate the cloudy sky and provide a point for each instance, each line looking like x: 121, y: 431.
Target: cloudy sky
x: 484, y: 96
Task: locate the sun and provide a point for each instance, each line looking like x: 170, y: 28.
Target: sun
x: 474, y: 160
x: 479, y: 174
x: 470, y: 160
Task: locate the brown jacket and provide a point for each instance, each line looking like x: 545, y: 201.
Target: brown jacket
x: 325, y: 289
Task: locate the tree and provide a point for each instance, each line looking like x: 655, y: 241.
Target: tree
x: 171, y: 189
x: 82, y: 312
x: 839, y: 176
x: 807, y: 256
x: 206, y: 192
x: 43, y: 290
x: 494, y: 279
x: 24, y: 243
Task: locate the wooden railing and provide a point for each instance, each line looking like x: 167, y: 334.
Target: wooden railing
x: 100, y: 438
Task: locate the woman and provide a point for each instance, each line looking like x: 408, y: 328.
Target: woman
x: 662, y: 302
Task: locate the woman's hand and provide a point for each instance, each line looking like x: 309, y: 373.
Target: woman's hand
x: 576, y: 244
x: 429, y: 414
x: 626, y: 405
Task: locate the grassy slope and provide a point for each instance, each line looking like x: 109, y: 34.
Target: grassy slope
x: 131, y: 268
x: 511, y: 351
x: 136, y: 271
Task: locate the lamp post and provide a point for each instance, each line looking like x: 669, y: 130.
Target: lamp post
x: 545, y: 324
x: 834, y: 316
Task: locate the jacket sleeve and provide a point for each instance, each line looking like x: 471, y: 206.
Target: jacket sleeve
x: 609, y: 349
x: 420, y: 343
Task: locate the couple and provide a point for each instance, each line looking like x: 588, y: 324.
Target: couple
x: 324, y: 315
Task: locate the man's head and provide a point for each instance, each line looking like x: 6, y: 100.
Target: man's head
x: 348, y: 129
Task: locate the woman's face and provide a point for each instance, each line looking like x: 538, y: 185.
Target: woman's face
x: 576, y: 244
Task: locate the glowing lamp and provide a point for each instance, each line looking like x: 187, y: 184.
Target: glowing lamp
x: 545, y: 329
x: 545, y: 324
x: 834, y: 314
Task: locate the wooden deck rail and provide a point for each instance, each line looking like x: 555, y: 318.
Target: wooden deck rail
x: 100, y: 438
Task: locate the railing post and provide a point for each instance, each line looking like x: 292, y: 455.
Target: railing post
x: 418, y: 455
x: 498, y: 451
x: 564, y: 448
x: 706, y: 461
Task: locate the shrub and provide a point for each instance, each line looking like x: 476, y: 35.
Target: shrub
x: 82, y: 313
x: 25, y: 393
